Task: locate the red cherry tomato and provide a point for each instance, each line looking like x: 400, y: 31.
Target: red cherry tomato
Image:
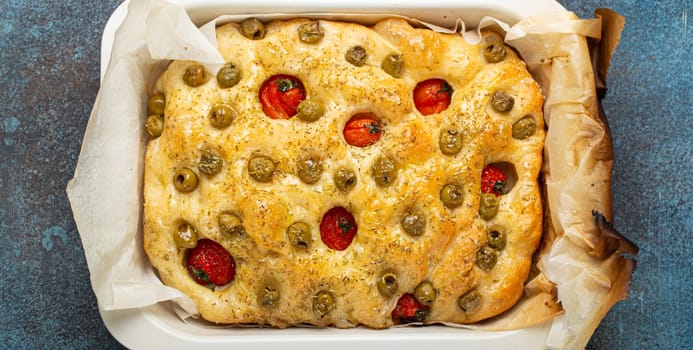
x: 432, y: 96
x: 338, y: 228
x: 280, y: 96
x: 210, y: 264
x: 409, y: 310
x: 362, y: 129
x: 493, y: 180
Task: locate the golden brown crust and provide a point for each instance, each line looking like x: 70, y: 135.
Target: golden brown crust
x: 443, y: 255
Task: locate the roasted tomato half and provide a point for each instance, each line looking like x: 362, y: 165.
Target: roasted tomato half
x: 338, y: 228
x: 210, y: 264
x: 362, y: 129
x: 409, y: 310
x: 280, y: 96
x: 493, y: 180
x: 432, y: 96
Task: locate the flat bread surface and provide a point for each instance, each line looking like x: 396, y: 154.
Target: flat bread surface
x: 445, y: 254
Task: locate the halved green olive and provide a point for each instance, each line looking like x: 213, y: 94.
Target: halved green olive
x: 299, y: 234
x: 156, y: 104
x: 494, y: 52
x: 488, y: 206
x: 414, y: 223
x: 185, y: 180
x: 450, y: 142
x: 524, y: 128
x: 221, y: 116
x: 425, y: 293
x: 185, y: 235
x: 269, y: 296
x: 253, y: 29
x: 387, y: 284
x: 501, y: 101
x: 452, y: 195
x: 470, y: 302
x: 195, y: 75
x: 228, y: 75
x: 345, y: 179
x: 310, y: 32
x: 496, y: 239
x: 309, y: 168
x: 154, y: 125
x: 392, y: 64
x: 384, y: 171
x: 230, y: 224
x: 210, y: 163
x: 486, y: 258
x: 323, y: 302
x: 261, y: 168
x: 356, y: 55
x: 310, y: 110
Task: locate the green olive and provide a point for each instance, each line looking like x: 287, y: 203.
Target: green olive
x: 501, y: 101
x: 221, y: 116
x: 310, y: 110
x: 309, y: 168
x: 414, y: 223
x: 299, y: 234
x: 185, y: 180
x: 524, y: 128
x: 392, y: 64
x: 195, y: 75
x: 387, y: 284
x: 210, y: 163
x: 494, y: 52
x: 185, y: 235
x: 486, y: 258
x: 261, y: 168
x: 488, y: 206
x: 425, y: 293
x: 450, y: 142
x: 156, y: 104
x: 384, y: 171
x: 452, y: 195
x: 268, y: 296
x: 310, y: 32
x: 154, y: 125
x: 345, y: 179
x: 470, y: 302
x: 323, y: 302
x: 228, y: 75
x: 253, y: 29
x: 496, y: 239
x: 356, y: 55
x: 230, y: 224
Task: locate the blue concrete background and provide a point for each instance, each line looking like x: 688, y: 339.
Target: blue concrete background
x: 49, y: 76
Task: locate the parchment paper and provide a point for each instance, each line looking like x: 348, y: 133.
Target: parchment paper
x: 580, y: 262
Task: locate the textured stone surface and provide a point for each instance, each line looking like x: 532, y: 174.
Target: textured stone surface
x: 49, y: 73
x: 649, y: 109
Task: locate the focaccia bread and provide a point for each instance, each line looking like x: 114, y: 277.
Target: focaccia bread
x: 402, y: 188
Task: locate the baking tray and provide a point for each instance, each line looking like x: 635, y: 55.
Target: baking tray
x: 158, y: 325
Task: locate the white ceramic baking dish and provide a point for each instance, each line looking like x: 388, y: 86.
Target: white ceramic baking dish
x: 158, y: 325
